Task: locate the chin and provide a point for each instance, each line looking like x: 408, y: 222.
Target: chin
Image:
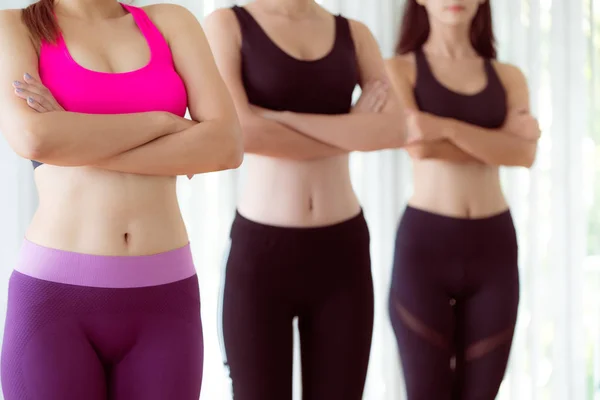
x: 456, y: 20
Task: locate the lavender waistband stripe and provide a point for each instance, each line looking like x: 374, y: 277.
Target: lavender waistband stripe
x: 105, y: 271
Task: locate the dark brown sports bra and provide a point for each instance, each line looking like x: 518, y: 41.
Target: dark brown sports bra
x: 277, y: 81
x: 486, y: 109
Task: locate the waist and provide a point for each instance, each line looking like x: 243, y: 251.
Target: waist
x: 81, y: 269
x: 429, y: 232
x: 457, y: 190
x: 293, y: 193
x: 100, y: 212
x: 355, y: 225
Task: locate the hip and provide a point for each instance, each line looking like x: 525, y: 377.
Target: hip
x: 428, y: 235
x: 292, y: 260
x: 460, y: 191
x: 301, y: 248
x: 457, y: 254
x: 104, y: 271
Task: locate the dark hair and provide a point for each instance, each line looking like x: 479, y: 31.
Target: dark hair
x: 415, y: 30
x: 41, y: 22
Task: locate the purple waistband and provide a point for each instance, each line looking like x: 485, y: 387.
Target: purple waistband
x: 105, y: 271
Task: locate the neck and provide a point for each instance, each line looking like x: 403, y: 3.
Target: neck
x: 450, y: 41
x: 89, y: 9
x: 288, y: 8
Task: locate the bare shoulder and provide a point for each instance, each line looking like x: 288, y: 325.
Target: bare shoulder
x: 402, y: 67
x: 361, y: 34
x: 510, y: 75
x: 14, y: 34
x: 223, y: 23
x: 167, y: 11
x: 221, y: 16
x: 170, y: 19
x: 11, y: 22
x: 10, y: 16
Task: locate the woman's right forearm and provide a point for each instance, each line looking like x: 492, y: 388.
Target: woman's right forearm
x: 269, y: 138
x: 73, y: 139
x: 440, y: 150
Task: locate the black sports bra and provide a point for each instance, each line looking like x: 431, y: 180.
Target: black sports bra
x: 277, y: 81
x: 486, y: 109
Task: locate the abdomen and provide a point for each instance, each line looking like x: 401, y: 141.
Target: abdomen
x: 93, y: 211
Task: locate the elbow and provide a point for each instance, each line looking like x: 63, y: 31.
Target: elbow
x: 394, y: 132
x: 232, y: 145
x: 418, y: 152
x: 524, y: 161
x: 223, y: 139
x: 528, y: 162
x: 528, y: 158
x: 30, y: 141
x: 251, y: 135
x: 236, y: 154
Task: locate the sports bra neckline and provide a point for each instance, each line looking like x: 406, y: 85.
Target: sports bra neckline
x: 135, y: 13
x: 273, y: 44
x: 424, y: 67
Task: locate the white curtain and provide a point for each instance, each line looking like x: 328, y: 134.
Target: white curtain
x: 556, y: 205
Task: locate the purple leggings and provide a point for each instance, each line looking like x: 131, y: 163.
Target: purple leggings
x: 69, y: 337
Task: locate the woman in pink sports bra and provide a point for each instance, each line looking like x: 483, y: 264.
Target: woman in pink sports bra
x: 104, y: 301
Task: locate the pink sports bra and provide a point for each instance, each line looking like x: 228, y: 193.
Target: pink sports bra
x: 154, y: 87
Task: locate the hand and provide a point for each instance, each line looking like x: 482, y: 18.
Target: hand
x: 522, y: 123
x: 38, y: 97
x: 422, y: 126
x: 372, y: 98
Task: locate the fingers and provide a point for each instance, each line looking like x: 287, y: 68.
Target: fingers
x: 374, y: 96
x: 31, y: 84
x: 29, y: 79
x: 35, y: 105
x: 42, y: 94
x: 34, y: 98
x: 380, y: 97
x: 368, y: 95
x: 363, y: 100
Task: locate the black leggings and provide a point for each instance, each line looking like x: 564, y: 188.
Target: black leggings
x: 320, y: 275
x: 453, y: 303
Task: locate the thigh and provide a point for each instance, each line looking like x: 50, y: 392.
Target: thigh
x: 166, y: 362
x: 165, y: 358
x: 423, y: 319
x: 257, y: 330
x: 336, y: 331
x: 490, y: 316
x: 45, y: 353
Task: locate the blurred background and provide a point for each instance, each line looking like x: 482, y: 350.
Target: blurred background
x: 556, y: 205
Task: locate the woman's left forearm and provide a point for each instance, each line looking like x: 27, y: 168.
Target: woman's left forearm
x: 205, y: 147
x: 352, y: 132
x: 492, y: 146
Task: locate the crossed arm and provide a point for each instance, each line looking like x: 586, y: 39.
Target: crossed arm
x: 261, y: 135
x: 361, y: 131
x: 153, y: 143
x: 305, y: 136
x: 513, y: 144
